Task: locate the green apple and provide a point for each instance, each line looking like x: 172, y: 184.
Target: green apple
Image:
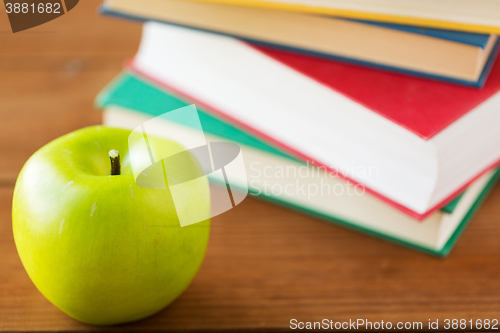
x: 99, y: 247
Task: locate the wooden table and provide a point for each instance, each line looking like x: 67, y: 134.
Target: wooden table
x: 265, y: 265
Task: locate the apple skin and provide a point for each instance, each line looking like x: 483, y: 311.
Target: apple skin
x: 100, y: 248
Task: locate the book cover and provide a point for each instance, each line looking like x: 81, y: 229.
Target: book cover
x: 424, y: 107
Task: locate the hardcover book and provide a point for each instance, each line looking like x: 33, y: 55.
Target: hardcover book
x: 427, y: 139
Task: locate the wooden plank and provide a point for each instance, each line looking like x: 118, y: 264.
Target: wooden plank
x: 39, y: 105
x: 266, y: 265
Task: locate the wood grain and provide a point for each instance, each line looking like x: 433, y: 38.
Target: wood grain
x: 265, y: 264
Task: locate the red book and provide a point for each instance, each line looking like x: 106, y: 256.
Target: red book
x: 422, y: 106
x: 425, y: 140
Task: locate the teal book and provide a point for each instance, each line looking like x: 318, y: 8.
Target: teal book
x: 274, y: 175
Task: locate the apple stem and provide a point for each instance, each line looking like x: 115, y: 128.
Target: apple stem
x: 114, y: 157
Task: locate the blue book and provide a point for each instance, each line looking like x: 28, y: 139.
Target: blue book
x: 456, y: 57
x: 470, y: 38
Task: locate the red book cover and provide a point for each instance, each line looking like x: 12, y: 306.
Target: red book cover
x: 423, y: 106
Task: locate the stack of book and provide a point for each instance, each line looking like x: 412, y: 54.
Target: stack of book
x: 378, y: 115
